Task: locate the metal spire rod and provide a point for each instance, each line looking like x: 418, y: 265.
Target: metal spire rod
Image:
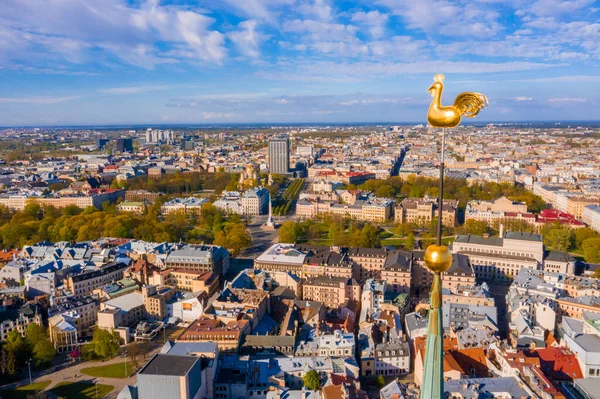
x: 441, y: 193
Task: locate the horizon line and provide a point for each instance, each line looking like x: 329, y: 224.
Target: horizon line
x: 253, y: 124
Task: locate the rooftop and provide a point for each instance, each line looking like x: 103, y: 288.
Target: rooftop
x: 174, y: 365
x: 282, y: 253
x: 126, y: 302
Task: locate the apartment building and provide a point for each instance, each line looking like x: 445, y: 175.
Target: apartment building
x: 80, y: 312
x: 189, y: 205
x: 191, y: 280
x: 591, y: 216
x: 310, y: 261
x: 392, y: 358
x: 255, y: 201
x: 396, y: 272
x: 559, y: 262
x: 18, y: 319
x: 501, y: 258
x: 501, y: 204
x: 373, y: 210
x: 327, y: 261
x: 227, y: 335
x: 83, y: 284
x: 94, y: 198
x: 155, y: 301
x: 241, y: 303
x: 331, y: 291
x: 123, y: 311
x: 370, y: 261
x: 281, y: 258
x: 205, y: 258
x: 576, y: 205
x: 460, y: 274
x: 423, y: 211
x: 136, y: 207
x: 142, y: 195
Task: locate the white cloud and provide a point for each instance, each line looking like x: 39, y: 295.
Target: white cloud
x: 343, y: 72
x: 264, y: 10
x: 74, y: 31
x: 248, y: 39
x: 557, y: 7
x: 562, y: 79
x: 216, y: 115
x: 446, y: 17
x: 317, y: 8
x: 137, y: 89
x: 374, y: 20
x: 36, y: 100
x: 320, y: 31
x: 567, y: 100
x: 522, y: 99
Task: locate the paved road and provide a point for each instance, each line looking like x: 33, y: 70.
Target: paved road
x: 262, y: 238
x: 498, y: 292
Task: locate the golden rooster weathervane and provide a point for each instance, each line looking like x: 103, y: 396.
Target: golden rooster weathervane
x: 468, y: 104
x: 438, y: 257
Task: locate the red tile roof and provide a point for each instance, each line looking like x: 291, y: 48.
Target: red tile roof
x: 554, y: 215
x: 559, y: 364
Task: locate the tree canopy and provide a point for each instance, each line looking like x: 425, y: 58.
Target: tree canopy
x: 35, y: 224
x: 105, y: 344
x: 312, y: 380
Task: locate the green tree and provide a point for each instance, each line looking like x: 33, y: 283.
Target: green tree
x: 380, y: 380
x: 35, y: 333
x: 312, y: 381
x: 43, y: 352
x: 39, y: 344
x: 15, y: 342
x: 8, y: 363
x: 475, y: 227
x: 385, y: 191
x: 232, y: 185
x: 288, y: 232
x: 559, y: 239
x: 583, y: 234
x: 403, y: 229
x: 367, y: 237
x: 409, y: 243
x: 105, y: 343
x: 591, y: 250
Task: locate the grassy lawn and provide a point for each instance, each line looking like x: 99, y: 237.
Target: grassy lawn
x: 116, y: 370
x: 392, y: 241
x: 385, y: 234
x: 80, y: 390
x: 22, y: 392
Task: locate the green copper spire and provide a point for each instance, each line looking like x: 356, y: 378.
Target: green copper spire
x: 438, y: 259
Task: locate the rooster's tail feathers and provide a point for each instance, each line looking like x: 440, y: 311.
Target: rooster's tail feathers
x: 469, y: 104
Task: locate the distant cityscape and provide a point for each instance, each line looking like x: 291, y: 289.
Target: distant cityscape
x: 287, y: 261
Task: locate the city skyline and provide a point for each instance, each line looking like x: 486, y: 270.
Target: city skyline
x: 284, y: 61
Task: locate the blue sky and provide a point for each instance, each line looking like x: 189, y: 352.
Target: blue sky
x: 226, y: 61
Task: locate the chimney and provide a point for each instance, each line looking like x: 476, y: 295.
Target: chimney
x: 501, y: 235
x: 486, y: 235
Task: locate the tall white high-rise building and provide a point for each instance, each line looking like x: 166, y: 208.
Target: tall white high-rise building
x: 279, y: 155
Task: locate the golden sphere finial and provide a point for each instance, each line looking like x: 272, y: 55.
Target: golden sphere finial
x: 438, y: 77
x: 438, y: 258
